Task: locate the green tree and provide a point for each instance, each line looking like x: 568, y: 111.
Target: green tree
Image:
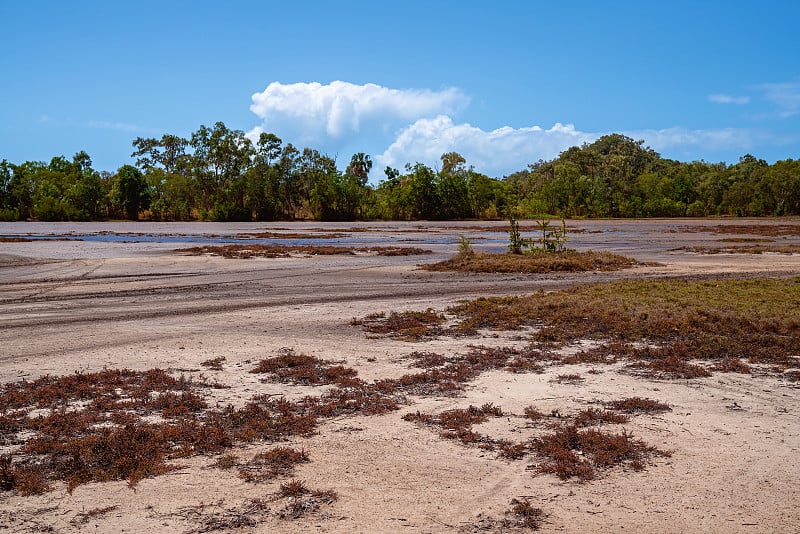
x: 452, y: 189
x: 220, y: 158
x: 130, y: 192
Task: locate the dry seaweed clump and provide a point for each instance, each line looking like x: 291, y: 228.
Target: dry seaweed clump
x: 302, y: 500
x: 537, y: 262
x: 522, y: 516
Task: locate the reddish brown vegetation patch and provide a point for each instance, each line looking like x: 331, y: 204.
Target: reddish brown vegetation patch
x: 300, y: 369
x: 457, y: 423
x: 524, y: 515
x: 271, y: 464
x: 321, y: 234
x: 484, y: 262
x: 638, y: 405
x: 594, y: 417
x: 215, y: 364
x: 573, y: 447
x: 745, y: 249
x: 284, y: 251
x: 94, y: 428
x: 449, y: 377
x: 572, y: 453
x: 770, y: 230
x: 669, y: 361
x: 407, y: 325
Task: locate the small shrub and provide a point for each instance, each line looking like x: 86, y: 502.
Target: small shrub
x: 638, y: 405
x: 525, y: 515
x: 732, y: 365
x: 512, y: 451
x: 215, y: 364
x: 407, y: 325
x: 597, y: 449
x: 533, y: 414
x: 592, y: 416
x: 465, y: 247
x: 569, y: 378
x: 293, y: 488
x: 273, y: 463
x: 226, y: 461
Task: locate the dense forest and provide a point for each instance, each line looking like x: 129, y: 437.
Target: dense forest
x: 219, y: 174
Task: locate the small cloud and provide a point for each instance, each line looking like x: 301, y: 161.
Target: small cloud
x: 785, y: 95
x: 117, y: 126
x: 703, y: 140
x: 728, y: 99
x: 311, y: 112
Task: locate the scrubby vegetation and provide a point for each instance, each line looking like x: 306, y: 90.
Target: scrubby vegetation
x: 567, y: 446
x: 684, y: 329
x: 545, y: 254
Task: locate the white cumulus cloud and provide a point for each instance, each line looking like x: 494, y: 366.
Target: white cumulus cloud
x: 496, y: 152
x: 405, y: 126
x: 505, y: 150
x: 313, y: 112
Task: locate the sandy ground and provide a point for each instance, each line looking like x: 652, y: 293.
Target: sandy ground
x: 70, y: 306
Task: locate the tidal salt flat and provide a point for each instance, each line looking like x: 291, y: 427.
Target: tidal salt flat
x: 361, y: 392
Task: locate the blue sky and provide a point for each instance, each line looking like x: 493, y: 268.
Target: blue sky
x: 503, y: 83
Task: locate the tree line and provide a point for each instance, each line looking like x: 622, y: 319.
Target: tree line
x: 218, y: 174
